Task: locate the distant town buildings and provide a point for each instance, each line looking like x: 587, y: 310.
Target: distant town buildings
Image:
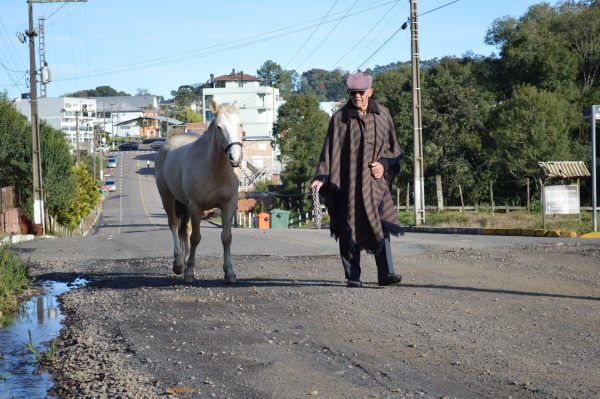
x: 74, y: 116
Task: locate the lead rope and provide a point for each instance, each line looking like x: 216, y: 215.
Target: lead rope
x: 316, y: 207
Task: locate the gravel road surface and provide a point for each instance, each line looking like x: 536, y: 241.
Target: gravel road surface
x: 475, y: 316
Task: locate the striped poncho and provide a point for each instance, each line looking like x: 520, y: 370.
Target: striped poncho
x: 360, y: 207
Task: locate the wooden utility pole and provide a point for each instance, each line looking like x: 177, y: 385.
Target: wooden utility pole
x: 38, y: 186
x: 419, y: 182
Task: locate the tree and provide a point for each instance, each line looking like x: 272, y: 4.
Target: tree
x: 186, y: 95
x: 298, y: 134
x: 272, y: 74
x: 100, y: 91
x: 323, y: 84
x: 532, y: 126
x: 84, y: 199
x: 187, y: 115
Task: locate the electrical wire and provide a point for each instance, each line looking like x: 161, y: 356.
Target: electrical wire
x: 311, y: 35
x: 228, y: 46
x: 385, y: 14
x: 327, y: 36
x: 399, y: 29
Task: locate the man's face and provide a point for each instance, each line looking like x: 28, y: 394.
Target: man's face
x: 360, y: 98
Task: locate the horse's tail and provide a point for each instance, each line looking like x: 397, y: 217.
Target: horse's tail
x: 183, y: 214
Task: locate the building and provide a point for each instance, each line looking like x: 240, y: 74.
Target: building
x: 74, y: 116
x: 258, y: 111
x: 129, y: 116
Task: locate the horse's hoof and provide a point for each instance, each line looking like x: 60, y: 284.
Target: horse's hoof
x: 177, y: 269
x: 188, y: 279
x: 230, y: 278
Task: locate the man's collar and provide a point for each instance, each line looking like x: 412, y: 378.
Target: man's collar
x: 352, y: 111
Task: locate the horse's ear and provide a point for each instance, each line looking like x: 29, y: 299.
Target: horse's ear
x: 235, y: 105
x: 214, y: 107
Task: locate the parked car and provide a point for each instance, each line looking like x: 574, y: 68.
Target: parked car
x: 110, y: 184
x: 129, y: 146
x: 156, y: 145
x: 111, y: 162
x: 151, y: 140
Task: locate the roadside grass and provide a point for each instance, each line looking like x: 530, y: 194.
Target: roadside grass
x: 502, y: 220
x: 14, y: 280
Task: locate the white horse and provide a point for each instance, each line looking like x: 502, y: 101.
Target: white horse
x: 196, y: 173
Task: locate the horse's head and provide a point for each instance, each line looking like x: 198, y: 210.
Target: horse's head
x: 229, y: 124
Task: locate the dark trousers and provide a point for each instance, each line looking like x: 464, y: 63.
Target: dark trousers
x: 351, y: 260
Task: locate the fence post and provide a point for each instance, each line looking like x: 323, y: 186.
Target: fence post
x: 398, y: 199
x: 462, y: 202
x: 492, y: 195
x: 440, y: 194
x: 528, y: 201
x: 407, y: 196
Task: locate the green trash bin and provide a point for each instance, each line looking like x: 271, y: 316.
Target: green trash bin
x: 279, y: 218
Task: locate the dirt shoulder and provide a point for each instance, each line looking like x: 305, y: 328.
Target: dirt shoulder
x: 520, y: 321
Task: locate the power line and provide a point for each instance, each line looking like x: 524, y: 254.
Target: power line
x: 435, y: 9
x: 312, y: 34
x: 380, y: 47
x: 365, y: 35
x: 228, y: 46
x: 399, y: 29
x: 327, y: 36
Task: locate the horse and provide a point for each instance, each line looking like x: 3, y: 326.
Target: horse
x: 195, y: 173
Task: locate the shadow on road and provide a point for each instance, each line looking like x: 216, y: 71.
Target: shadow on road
x: 133, y: 280
x: 501, y: 291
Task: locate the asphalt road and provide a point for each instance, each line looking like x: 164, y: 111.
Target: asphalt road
x: 476, y: 316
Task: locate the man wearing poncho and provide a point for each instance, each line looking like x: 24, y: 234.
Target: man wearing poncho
x: 358, y: 162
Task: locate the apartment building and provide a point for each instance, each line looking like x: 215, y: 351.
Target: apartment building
x: 74, y: 116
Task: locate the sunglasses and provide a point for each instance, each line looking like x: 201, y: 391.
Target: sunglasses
x: 352, y: 93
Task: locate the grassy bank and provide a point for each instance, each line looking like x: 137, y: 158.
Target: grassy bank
x: 14, y: 281
x: 502, y: 220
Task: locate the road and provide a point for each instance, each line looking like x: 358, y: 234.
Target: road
x: 476, y: 316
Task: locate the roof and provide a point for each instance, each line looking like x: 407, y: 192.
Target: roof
x: 170, y: 121
x: 125, y: 103
x: 235, y: 77
x: 564, y: 169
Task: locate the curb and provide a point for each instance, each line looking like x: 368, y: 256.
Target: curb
x: 17, y: 238
x: 500, y: 232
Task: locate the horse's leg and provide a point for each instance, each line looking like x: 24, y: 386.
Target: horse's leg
x: 169, y: 203
x: 227, y: 212
x: 194, y: 240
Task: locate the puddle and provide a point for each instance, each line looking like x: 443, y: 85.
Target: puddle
x: 41, y: 316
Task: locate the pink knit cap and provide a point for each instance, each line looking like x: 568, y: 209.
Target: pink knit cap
x: 359, y: 81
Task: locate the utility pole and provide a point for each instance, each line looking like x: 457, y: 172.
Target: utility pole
x: 77, y: 137
x: 38, y: 187
x: 419, y: 180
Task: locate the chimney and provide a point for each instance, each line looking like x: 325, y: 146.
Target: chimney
x: 233, y: 72
x: 212, y: 82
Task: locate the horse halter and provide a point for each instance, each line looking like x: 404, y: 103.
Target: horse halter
x: 232, y: 144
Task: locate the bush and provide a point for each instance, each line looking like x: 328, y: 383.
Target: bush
x: 14, y: 280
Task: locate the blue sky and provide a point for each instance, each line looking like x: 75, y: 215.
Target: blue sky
x: 160, y: 45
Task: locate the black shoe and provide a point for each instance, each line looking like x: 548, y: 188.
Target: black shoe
x: 353, y: 284
x: 390, y: 279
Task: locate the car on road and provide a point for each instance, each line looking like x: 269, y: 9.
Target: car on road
x: 157, y: 144
x: 110, y: 184
x: 151, y: 140
x: 129, y: 146
x: 111, y: 161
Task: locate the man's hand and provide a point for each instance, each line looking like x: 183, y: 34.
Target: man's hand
x: 376, y: 170
x: 316, y: 184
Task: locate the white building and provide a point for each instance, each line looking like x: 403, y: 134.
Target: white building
x: 258, y: 111
x: 119, y: 115
x: 74, y: 116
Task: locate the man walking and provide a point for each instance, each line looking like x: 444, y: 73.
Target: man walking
x: 359, y: 160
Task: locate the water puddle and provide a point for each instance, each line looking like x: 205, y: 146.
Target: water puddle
x: 41, y: 317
